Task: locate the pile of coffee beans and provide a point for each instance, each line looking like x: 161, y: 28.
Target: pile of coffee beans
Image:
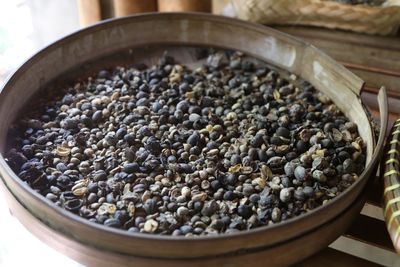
x: 229, y: 146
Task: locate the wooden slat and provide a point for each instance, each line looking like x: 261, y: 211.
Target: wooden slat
x: 378, y: 79
x: 375, y: 59
x: 333, y: 258
x: 383, y: 42
x: 374, y: 90
x: 372, y: 210
x: 374, y: 192
x: 370, y: 100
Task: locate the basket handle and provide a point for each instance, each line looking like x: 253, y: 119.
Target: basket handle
x: 391, y: 185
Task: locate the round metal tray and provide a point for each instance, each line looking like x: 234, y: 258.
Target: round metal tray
x: 140, y: 38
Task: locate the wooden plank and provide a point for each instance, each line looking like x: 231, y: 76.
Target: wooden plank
x: 374, y: 90
x: 366, y: 55
x: 375, y: 59
x: 378, y: 79
x: 372, y: 210
x: 332, y: 258
x: 370, y: 100
x: 374, y: 192
x: 384, y: 42
x: 366, y: 251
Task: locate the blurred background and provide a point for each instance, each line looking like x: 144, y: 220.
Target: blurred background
x: 27, y: 26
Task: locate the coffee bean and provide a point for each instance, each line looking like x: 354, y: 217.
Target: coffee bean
x: 165, y: 149
x: 245, y: 211
x: 131, y: 167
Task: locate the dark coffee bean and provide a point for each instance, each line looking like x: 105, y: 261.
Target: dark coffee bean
x: 131, y: 167
x: 229, y: 195
x: 183, y: 106
x: 262, y: 155
x: 209, y: 208
x: 193, y: 139
x: 308, y: 191
x: 254, y: 198
x: 275, y: 140
x: 97, y: 116
x: 257, y: 140
x: 172, y: 206
x: 115, y: 223
x: 111, y: 139
x: 215, y: 185
x: 300, y: 173
x: 286, y: 182
x: 328, y: 127
x: 343, y: 155
x: 231, y: 179
x: 301, y: 146
x: 150, y: 206
x: 253, y: 154
x: 42, y: 140
x: 291, y: 156
x: 299, y: 195
x: 153, y: 145
x: 100, y: 175
x: 61, y: 167
x: 121, y: 132
x: 282, y: 131
x: 245, y: 211
x: 236, y: 159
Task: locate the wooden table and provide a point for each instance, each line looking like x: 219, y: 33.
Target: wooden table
x: 377, y: 61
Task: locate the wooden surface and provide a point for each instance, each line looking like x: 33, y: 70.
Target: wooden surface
x: 332, y: 258
x: 375, y: 59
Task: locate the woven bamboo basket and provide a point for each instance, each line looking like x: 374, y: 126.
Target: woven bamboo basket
x: 382, y: 20
x: 391, y: 185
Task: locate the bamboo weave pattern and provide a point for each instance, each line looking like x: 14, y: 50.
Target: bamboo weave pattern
x: 391, y: 183
x: 382, y: 20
